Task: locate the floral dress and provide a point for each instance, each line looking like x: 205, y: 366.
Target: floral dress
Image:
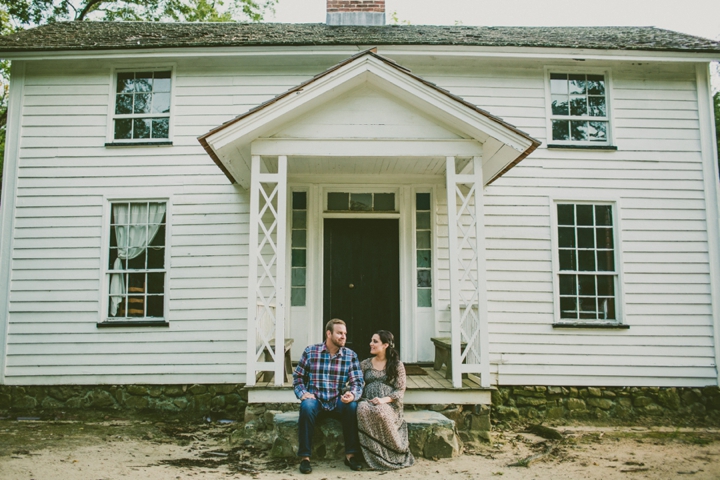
x: 382, y: 428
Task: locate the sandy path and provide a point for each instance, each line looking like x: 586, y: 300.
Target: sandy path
x: 147, y: 450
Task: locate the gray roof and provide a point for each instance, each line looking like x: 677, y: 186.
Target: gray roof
x: 139, y: 35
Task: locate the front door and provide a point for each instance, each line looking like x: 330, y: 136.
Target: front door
x: 362, y: 278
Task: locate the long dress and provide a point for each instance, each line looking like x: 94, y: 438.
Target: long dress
x: 382, y: 428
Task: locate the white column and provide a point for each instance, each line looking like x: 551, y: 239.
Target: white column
x: 266, y: 270
x: 450, y: 174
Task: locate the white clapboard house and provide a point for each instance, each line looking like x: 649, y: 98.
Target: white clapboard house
x: 179, y: 200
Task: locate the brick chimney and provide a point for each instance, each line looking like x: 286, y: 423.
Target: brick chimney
x: 355, y: 12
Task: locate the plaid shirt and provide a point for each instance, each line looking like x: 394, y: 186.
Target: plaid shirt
x: 326, y: 376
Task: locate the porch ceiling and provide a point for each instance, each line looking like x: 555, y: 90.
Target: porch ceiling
x: 400, y: 124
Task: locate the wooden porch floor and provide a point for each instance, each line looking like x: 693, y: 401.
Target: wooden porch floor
x: 421, y: 390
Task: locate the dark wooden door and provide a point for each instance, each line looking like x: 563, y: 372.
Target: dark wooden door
x: 362, y: 278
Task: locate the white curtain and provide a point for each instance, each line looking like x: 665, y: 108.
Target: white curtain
x: 135, y: 228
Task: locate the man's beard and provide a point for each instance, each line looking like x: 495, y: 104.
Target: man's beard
x: 337, y: 343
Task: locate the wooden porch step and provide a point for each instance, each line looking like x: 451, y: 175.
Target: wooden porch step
x: 421, y: 390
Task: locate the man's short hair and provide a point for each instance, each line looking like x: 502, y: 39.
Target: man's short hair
x: 330, y: 326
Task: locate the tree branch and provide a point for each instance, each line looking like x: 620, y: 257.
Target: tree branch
x: 88, y: 8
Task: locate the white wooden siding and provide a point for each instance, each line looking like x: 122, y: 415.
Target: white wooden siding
x: 66, y: 175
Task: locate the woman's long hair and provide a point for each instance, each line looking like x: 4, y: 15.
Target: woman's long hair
x: 391, y: 355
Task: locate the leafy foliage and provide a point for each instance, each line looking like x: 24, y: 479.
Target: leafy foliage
x: 16, y: 15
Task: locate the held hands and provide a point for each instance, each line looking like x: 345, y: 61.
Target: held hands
x: 347, y: 397
x: 380, y: 401
x: 307, y: 395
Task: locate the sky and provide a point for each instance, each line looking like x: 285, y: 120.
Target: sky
x: 696, y: 17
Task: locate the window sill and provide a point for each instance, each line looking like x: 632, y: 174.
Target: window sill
x: 583, y: 147
x: 139, y: 144
x: 133, y: 323
x: 607, y: 326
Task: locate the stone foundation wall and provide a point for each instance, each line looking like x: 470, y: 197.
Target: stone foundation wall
x: 683, y: 405
x: 223, y: 399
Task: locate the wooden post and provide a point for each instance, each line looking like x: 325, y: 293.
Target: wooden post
x: 280, y: 270
x: 454, y: 272
x: 484, y: 340
x: 251, y: 357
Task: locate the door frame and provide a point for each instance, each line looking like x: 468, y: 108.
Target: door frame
x: 312, y: 314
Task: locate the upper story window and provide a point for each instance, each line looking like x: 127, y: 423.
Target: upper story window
x: 142, y: 106
x: 136, y: 261
x: 586, y: 252
x: 579, y: 108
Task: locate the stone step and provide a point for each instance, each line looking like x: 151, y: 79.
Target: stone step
x: 432, y: 435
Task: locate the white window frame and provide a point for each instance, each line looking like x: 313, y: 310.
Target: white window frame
x: 106, y: 319
x: 110, y: 136
x: 433, y: 241
x: 549, y: 117
x: 617, y: 252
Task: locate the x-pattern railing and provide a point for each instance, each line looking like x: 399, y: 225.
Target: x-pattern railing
x: 266, y: 334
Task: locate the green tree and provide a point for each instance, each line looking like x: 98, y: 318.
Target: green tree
x: 16, y: 15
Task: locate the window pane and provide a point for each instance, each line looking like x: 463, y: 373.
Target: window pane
x: 297, y: 297
x: 338, y: 201
x: 424, y: 297
x: 142, y: 103
x: 298, y: 277
x: 560, y: 105
x: 568, y: 284
x: 607, y: 308
x: 586, y: 260
x: 161, y: 103
x: 160, y: 127
x: 299, y: 219
x: 299, y: 200
x: 125, y: 82
x: 606, y: 261
x: 586, y: 237
x: 568, y: 307
x: 596, y: 84
x: 597, y: 131
x: 143, y: 82
x: 560, y: 130
x: 139, y: 262
x: 123, y: 104
x: 423, y: 220
x: 422, y: 201
x: 558, y: 83
x: 136, y: 306
x: 596, y: 106
x: 423, y: 240
x: 155, y: 306
x: 577, y: 84
x: 566, y: 214
x: 588, y: 308
x: 567, y: 260
x: 298, y: 257
x: 161, y: 82
x: 567, y: 237
x: 298, y: 238
x: 384, y: 202
x: 604, y: 238
x: 578, y: 106
x: 606, y: 285
x: 156, y: 258
x: 141, y: 128
x: 156, y: 282
x: 361, y: 202
x: 585, y: 215
x: 123, y: 129
x: 424, y: 258
x: 603, y: 215
x: 586, y: 284
x: 423, y: 278
x: 578, y: 130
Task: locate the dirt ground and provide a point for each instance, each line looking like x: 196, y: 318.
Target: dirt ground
x: 145, y: 449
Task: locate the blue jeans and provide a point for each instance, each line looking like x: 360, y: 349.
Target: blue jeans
x: 310, y: 411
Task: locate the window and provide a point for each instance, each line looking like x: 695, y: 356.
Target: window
x: 360, y: 202
x: 587, y: 276
x: 142, y: 106
x: 579, y: 109
x: 423, y: 248
x: 298, y: 244
x: 136, y: 263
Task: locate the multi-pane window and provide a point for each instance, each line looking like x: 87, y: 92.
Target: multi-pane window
x: 587, y: 262
x: 298, y: 243
x: 579, y: 108
x: 136, y: 264
x: 361, y: 202
x: 423, y: 248
x: 142, y: 106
